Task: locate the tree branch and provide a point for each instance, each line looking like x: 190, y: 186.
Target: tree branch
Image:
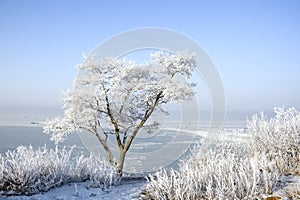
x: 148, y: 113
x: 103, y: 142
x: 102, y: 129
x: 117, y: 131
x: 98, y: 121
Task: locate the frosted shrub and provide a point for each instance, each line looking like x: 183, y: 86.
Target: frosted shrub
x: 97, y: 170
x: 28, y: 171
x: 222, y: 173
x: 236, y: 168
x: 278, y: 138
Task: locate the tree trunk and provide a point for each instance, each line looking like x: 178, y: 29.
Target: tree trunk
x: 121, y: 162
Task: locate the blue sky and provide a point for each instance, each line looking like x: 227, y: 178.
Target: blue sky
x: 255, y: 45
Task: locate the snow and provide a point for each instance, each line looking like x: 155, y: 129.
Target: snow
x: 128, y: 190
x: 290, y: 184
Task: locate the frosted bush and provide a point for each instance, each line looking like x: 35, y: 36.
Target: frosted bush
x: 236, y: 168
x: 28, y: 171
x: 222, y: 173
x: 97, y: 170
x: 278, y: 138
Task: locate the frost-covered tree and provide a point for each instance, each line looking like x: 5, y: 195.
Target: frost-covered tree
x: 117, y: 97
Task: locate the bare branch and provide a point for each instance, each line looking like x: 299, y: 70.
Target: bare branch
x: 121, y: 146
x: 103, y: 142
x: 122, y: 106
x: 148, y: 113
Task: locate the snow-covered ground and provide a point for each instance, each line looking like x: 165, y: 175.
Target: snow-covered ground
x: 290, y: 188
x: 128, y: 190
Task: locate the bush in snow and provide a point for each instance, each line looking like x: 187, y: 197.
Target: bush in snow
x: 236, y: 169
x: 28, y: 171
x: 278, y: 138
x: 222, y: 173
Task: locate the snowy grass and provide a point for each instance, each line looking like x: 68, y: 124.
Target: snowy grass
x: 27, y: 171
x: 236, y: 169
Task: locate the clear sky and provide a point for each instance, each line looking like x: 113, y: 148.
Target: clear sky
x: 254, y: 44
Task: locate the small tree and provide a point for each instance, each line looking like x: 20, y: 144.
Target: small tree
x: 118, y: 96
